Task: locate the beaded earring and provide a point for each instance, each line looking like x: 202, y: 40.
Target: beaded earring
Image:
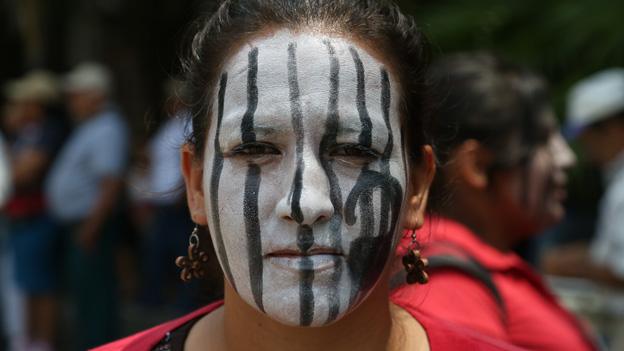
x: 193, y: 264
x: 414, y: 264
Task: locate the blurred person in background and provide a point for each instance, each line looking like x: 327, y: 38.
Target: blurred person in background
x: 596, y: 118
x: 503, y: 165
x: 33, y: 235
x: 168, y: 219
x: 12, y: 328
x: 84, y: 189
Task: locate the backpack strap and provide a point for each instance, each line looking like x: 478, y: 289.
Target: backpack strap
x: 460, y: 261
x: 471, y: 267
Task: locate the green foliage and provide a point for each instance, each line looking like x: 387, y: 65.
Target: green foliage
x: 563, y: 40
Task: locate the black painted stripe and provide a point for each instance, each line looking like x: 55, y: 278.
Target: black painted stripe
x: 305, y: 236
x: 367, y: 226
x: 368, y: 254
x: 333, y: 296
x: 331, y: 132
x: 297, y: 116
x: 252, y: 185
x: 217, y: 168
x: 365, y: 198
x: 366, y: 133
x: 252, y: 228
x: 305, y: 240
x: 385, y: 109
x: 385, y: 157
x: 335, y: 195
x: 247, y: 126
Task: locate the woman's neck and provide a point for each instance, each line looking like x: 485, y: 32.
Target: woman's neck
x: 482, y: 220
x: 367, y: 328
x: 374, y: 325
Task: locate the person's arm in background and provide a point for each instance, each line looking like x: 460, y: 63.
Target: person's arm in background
x: 574, y: 260
x: 29, y: 166
x: 109, y: 161
x: 90, y: 230
x: 5, y: 173
x: 602, y: 260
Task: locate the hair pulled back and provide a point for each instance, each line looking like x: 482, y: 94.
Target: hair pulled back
x: 379, y: 24
x: 482, y: 97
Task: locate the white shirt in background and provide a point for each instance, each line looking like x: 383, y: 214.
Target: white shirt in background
x: 164, y: 176
x: 607, y: 248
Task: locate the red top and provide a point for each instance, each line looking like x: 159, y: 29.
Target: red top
x: 534, y: 318
x: 443, y: 336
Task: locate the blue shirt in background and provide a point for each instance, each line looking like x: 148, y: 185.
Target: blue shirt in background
x: 97, y: 148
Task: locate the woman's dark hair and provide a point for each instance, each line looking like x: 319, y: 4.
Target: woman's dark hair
x: 378, y: 24
x: 482, y: 97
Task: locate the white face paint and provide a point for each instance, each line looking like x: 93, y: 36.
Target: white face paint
x: 534, y: 192
x: 304, y: 175
x: 539, y: 188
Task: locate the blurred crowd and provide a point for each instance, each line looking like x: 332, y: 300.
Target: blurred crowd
x: 90, y: 226
x: 86, y: 222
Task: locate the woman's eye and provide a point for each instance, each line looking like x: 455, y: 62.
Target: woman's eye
x: 355, y: 151
x: 254, y: 149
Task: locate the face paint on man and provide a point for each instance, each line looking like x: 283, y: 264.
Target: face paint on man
x: 308, y: 133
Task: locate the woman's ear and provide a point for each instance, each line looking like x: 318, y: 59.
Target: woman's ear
x: 193, y: 172
x: 471, y: 162
x: 420, y: 181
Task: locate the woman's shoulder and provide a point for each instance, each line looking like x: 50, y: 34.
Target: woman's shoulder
x: 448, y: 336
x: 147, y: 339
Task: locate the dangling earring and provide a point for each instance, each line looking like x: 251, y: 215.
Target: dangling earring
x: 414, y: 264
x: 192, y: 266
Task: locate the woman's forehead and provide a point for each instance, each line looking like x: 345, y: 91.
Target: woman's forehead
x: 310, y: 45
x: 320, y: 67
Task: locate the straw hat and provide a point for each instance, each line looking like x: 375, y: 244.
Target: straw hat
x: 88, y: 76
x: 39, y: 85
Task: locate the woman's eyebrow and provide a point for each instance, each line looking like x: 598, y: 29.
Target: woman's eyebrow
x: 269, y: 130
x: 378, y: 135
x: 231, y: 125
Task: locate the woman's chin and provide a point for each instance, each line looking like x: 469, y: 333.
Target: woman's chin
x: 556, y: 213
x: 316, y: 308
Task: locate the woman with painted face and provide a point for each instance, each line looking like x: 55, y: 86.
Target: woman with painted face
x: 302, y: 172
x: 503, y: 165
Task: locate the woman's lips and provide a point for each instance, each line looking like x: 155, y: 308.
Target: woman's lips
x: 310, y: 252
x: 316, y: 259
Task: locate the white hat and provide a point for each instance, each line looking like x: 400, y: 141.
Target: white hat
x: 88, y: 76
x: 41, y: 86
x: 594, y: 99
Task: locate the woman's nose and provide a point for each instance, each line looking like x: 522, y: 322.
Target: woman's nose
x: 308, y: 200
x: 564, y: 156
